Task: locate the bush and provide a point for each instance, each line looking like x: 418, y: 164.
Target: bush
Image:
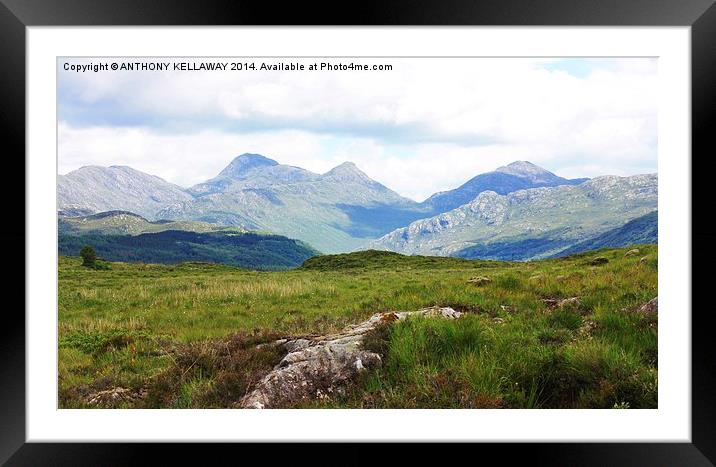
x: 89, y: 256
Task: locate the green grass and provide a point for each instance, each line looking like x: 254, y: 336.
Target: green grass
x: 141, y: 325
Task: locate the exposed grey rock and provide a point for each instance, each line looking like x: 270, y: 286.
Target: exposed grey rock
x: 640, y: 230
x: 479, y: 281
x: 650, y: 307
x: 115, y: 395
x: 572, y: 301
x: 98, y: 189
x: 586, y: 330
x: 338, y: 211
x: 516, y: 176
x: 536, y: 174
x: 316, y: 367
x: 562, y: 303
x: 556, y: 216
x: 632, y: 252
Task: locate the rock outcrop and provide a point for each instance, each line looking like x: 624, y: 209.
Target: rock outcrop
x: 650, y: 307
x: 479, y: 281
x: 115, y: 395
x: 317, y: 367
x: 533, y: 223
x: 562, y: 303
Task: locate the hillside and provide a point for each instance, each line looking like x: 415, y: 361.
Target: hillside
x: 642, y: 230
x: 527, y: 224
x: 97, y: 189
x: 337, y: 211
x: 519, y: 175
x: 247, y: 250
x: 128, y: 223
x: 374, y: 259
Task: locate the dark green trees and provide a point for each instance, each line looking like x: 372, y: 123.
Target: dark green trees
x: 89, y: 256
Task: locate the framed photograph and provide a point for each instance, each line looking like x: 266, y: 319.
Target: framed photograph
x: 452, y: 222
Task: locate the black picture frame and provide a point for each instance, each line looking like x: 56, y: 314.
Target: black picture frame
x: 700, y: 15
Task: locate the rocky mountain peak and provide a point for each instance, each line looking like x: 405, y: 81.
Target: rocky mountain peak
x: 529, y: 223
x: 347, y: 171
x: 523, y: 168
x: 245, y: 162
x: 93, y: 189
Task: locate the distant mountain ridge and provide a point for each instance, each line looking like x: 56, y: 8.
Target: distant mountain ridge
x: 516, y: 176
x: 338, y: 211
x: 252, y: 171
x: 127, y: 223
x: 642, y: 230
x: 323, y: 210
x: 100, y: 189
x: 527, y: 224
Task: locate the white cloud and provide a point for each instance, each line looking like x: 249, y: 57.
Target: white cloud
x: 428, y: 125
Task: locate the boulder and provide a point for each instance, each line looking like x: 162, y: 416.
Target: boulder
x: 317, y: 367
x: 586, y: 330
x: 561, y: 303
x: 567, y: 302
x: 115, y: 395
x: 479, y: 281
x: 599, y: 260
x: 633, y: 252
x: 650, y: 307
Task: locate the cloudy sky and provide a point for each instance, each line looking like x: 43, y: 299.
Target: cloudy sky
x: 427, y: 125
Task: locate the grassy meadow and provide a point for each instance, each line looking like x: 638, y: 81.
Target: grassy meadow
x: 184, y: 336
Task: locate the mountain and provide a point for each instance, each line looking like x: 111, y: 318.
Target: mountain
x: 127, y: 223
x: 74, y: 212
x: 644, y: 229
x: 336, y: 211
x: 536, y: 175
x: 252, y: 171
x: 248, y: 250
x: 518, y: 175
x: 97, y: 189
x: 527, y: 224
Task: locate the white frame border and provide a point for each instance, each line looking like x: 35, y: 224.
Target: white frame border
x: 670, y: 422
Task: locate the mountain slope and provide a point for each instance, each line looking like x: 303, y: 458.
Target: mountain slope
x: 126, y: 223
x: 98, y: 189
x: 336, y: 211
x: 642, y: 230
x: 252, y: 171
x: 516, y: 176
x: 527, y: 224
x: 249, y: 250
